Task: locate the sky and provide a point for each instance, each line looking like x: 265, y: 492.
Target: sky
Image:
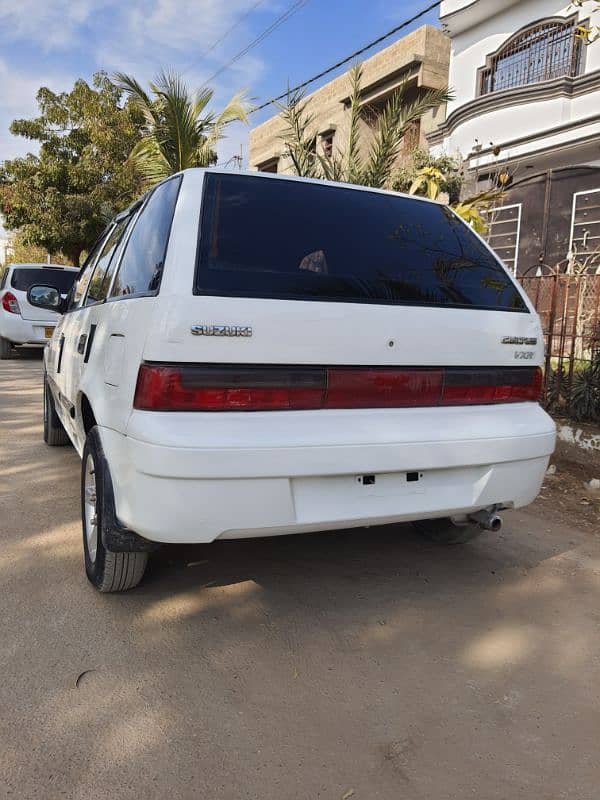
x: 53, y: 42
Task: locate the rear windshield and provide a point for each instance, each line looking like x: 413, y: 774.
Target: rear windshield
x: 262, y: 237
x: 24, y: 279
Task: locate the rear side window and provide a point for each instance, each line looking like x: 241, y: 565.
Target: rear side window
x: 105, y: 265
x: 23, y: 279
x: 142, y: 262
x: 85, y: 273
x: 4, y: 277
x: 308, y: 241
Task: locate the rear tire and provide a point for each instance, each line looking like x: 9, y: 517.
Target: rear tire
x: 444, y: 531
x: 6, y: 349
x: 106, y: 570
x: 54, y: 433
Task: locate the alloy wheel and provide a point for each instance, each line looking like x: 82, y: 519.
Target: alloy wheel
x: 91, y: 508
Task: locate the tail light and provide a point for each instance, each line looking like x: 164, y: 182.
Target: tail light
x: 10, y: 303
x: 162, y: 387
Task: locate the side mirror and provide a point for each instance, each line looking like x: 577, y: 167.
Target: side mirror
x: 47, y: 297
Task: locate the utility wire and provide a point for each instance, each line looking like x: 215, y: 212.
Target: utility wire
x: 293, y: 9
x: 229, y: 30
x: 345, y: 60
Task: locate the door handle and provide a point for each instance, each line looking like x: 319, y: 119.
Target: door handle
x: 81, y: 343
x: 90, y: 341
x: 61, y: 346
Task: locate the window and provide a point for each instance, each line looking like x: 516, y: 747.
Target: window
x: 585, y: 227
x: 266, y: 238
x: 372, y: 111
x: 83, y: 279
x: 23, y: 279
x: 327, y: 143
x: 504, y: 230
x: 412, y: 137
x: 269, y: 166
x: 105, y: 265
x: 540, y: 53
x: 143, y: 259
x: 4, y: 277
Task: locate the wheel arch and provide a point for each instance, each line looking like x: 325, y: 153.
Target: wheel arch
x: 86, y: 415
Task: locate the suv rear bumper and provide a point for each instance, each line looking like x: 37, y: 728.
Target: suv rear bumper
x: 207, y: 476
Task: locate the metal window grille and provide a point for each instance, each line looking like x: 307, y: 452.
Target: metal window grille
x: 412, y: 137
x: 543, y: 52
x: 327, y: 145
x: 585, y: 228
x: 504, y: 230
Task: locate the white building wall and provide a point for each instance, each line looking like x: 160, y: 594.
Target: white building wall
x: 478, y: 29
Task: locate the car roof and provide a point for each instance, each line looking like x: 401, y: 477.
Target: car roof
x: 282, y: 176
x: 257, y: 175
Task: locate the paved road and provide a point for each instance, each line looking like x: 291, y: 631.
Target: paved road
x: 291, y: 669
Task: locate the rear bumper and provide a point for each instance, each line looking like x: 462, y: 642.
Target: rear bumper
x: 23, y: 331
x: 207, y: 476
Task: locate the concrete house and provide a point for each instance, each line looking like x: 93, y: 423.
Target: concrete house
x: 527, y: 105
x: 420, y: 58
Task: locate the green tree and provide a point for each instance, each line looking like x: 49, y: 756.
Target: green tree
x: 21, y: 252
x: 427, y: 175
x: 431, y: 176
x: 179, y: 131
x: 375, y: 167
x: 591, y: 32
x: 62, y: 198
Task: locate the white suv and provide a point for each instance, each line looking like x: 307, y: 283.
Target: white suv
x: 21, y: 324
x: 250, y: 355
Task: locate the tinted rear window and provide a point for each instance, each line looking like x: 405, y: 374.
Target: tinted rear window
x: 308, y: 241
x: 24, y: 279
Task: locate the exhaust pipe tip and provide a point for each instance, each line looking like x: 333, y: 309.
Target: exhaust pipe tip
x: 495, y: 523
x: 487, y: 520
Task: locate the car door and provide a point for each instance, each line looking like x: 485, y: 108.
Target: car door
x: 60, y: 348
x: 129, y: 310
x: 80, y: 339
x: 63, y: 356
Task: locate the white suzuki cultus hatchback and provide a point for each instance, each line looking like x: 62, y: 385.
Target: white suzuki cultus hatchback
x: 249, y: 355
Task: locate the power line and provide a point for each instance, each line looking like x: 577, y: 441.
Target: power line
x: 229, y: 30
x: 237, y: 160
x: 345, y: 60
x: 293, y: 9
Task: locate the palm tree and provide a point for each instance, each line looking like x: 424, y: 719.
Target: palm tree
x: 427, y: 181
x: 377, y: 168
x: 179, y: 131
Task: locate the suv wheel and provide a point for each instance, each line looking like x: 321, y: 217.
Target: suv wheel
x: 6, y: 349
x: 106, y: 570
x: 54, y: 433
x: 444, y: 531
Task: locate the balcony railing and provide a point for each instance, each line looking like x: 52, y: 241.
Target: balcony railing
x: 546, y: 51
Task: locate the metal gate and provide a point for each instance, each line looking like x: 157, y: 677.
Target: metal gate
x: 569, y: 308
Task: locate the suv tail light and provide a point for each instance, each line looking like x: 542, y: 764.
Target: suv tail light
x: 10, y: 303
x: 164, y: 387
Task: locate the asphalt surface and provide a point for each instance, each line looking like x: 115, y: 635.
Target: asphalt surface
x: 341, y: 665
